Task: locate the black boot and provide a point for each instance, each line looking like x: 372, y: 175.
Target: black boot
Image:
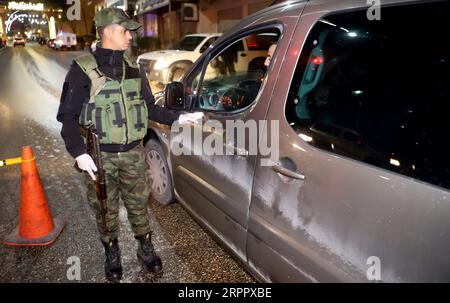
x: 146, y: 254
x: 113, y: 265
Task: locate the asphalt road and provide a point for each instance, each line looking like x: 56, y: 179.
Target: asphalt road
x: 31, y: 79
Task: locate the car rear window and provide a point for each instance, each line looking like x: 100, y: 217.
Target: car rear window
x: 188, y: 43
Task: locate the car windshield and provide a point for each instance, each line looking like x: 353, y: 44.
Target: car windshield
x: 188, y: 43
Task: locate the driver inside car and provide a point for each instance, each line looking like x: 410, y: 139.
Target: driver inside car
x: 270, y: 52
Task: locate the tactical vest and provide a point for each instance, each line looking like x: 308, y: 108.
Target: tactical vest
x: 116, y: 108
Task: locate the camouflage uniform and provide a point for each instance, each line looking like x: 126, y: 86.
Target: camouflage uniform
x: 125, y: 178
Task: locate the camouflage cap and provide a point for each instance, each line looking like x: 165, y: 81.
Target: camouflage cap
x: 112, y: 15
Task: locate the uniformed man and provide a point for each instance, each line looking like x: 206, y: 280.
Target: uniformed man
x: 107, y: 89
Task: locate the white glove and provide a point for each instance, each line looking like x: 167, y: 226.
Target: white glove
x: 190, y: 117
x: 86, y: 163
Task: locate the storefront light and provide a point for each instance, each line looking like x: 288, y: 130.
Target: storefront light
x: 25, y: 6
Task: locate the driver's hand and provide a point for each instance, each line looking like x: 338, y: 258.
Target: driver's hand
x: 190, y: 117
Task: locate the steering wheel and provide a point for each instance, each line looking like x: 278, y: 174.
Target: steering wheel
x: 232, y: 99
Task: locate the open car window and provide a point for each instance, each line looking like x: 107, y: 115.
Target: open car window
x: 234, y: 76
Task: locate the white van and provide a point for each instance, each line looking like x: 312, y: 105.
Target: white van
x: 65, y: 41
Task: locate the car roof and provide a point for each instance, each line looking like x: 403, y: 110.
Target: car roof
x: 313, y: 5
x: 292, y: 8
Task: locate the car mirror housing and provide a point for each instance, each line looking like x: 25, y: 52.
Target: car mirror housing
x: 174, y: 96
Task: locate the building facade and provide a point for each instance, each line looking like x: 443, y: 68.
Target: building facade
x: 3, y: 17
x: 169, y: 20
x: 85, y: 24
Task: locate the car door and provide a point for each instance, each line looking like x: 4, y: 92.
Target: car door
x: 217, y: 188
x: 361, y: 188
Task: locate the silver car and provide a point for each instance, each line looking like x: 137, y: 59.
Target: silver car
x: 359, y: 188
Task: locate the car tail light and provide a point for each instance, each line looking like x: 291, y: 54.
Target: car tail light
x: 317, y: 60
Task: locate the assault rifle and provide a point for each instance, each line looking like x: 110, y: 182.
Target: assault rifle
x: 93, y: 150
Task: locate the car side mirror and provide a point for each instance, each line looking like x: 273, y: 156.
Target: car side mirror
x: 174, y: 96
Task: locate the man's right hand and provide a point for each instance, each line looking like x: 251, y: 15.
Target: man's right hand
x: 86, y: 163
x: 195, y: 117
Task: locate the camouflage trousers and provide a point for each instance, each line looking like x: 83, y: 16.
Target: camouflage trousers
x: 126, y: 180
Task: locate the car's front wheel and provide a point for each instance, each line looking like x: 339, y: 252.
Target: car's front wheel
x: 158, y: 173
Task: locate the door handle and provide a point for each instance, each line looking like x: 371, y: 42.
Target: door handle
x: 244, y: 55
x: 287, y: 172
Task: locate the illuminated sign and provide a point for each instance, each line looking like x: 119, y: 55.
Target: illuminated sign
x: 52, y: 28
x: 13, y: 17
x: 21, y: 17
x: 26, y: 6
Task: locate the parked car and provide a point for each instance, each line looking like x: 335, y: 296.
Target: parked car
x: 19, y: 40
x: 168, y: 65
x: 360, y: 188
x: 65, y: 41
x: 41, y: 40
x: 51, y: 43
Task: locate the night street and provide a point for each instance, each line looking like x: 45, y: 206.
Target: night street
x: 31, y: 79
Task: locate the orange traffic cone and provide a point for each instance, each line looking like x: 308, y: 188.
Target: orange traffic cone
x: 36, y: 226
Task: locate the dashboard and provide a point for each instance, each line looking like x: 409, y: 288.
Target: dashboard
x: 218, y: 96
